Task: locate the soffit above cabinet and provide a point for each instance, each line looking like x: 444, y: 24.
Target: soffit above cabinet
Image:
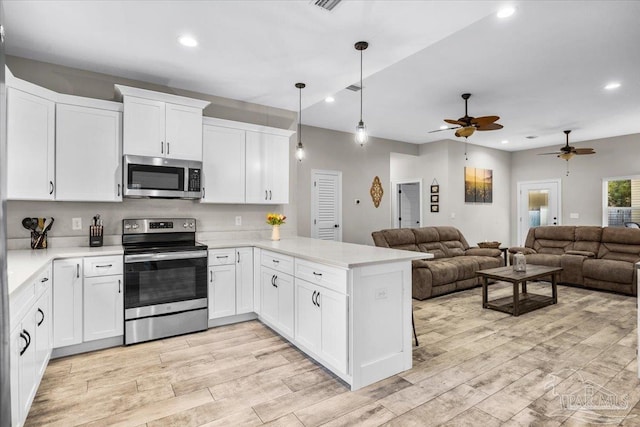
x: 212, y: 121
x: 160, y: 96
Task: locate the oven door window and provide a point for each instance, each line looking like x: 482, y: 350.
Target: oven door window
x: 149, y: 177
x: 158, y: 282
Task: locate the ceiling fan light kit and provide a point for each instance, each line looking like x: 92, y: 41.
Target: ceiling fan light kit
x: 467, y: 125
x: 361, y: 136
x: 300, y: 147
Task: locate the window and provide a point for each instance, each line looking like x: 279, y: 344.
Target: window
x: 622, y: 201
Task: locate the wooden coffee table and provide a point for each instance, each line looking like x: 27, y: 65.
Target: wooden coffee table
x: 519, y: 303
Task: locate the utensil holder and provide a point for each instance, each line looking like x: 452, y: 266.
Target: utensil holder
x: 38, y: 240
x: 95, y: 235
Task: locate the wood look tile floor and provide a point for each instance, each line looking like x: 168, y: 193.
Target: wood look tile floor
x: 473, y: 367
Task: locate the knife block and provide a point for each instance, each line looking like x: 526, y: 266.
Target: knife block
x: 95, y: 235
x: 38, y: 240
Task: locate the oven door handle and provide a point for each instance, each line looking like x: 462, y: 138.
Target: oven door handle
x: 168, y: 256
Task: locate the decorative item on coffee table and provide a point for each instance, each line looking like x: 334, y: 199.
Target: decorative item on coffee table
x: 275, y: 220
x: 493, y: 244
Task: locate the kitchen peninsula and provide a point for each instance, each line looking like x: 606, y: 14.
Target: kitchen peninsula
x: 347, y: 306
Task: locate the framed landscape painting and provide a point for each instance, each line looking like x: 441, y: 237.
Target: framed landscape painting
x: 478, y: 185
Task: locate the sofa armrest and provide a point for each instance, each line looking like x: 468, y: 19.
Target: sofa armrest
x: 484, y: 252
x: 587, y: 254
x: 525, y: 251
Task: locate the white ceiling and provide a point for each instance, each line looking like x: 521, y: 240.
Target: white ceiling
x: 542, y: 70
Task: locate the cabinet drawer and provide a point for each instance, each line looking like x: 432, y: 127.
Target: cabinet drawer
x: 43, y: 280
x: 102, y: 265
x: 20, y: 301
x: 222, y: 256
x: 279, y: 262
x: 323, y: 275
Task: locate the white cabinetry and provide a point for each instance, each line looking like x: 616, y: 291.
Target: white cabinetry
x: 103, y: 298
x: 30, y: 144
x: 161, y: 125
x: 67, y: 302
x: 223, y: 167
x: 88, y: 153
x: 30, y: 342
x: 267, y: 168
x: 230, y: 282
x: 277, y: 293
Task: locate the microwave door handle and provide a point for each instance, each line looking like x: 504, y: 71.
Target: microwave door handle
x: 164, y: 256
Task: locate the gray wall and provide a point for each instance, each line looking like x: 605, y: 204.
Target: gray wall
x: 216, y: 221
x: 582, y: 189
x: 332, y: 150
x: 445, y: 161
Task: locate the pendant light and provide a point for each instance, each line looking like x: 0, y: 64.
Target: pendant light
x: 300, y: 147
x: 361, y: 129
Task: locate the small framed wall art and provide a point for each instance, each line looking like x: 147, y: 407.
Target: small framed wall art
x: 435, y: 198
x: 435, y: 208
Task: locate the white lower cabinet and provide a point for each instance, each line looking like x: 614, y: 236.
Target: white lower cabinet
x: 222, y: 291
x: 103, y: 307
x: 44, y: 331
x: 67, y: 302
x: 244, y: 280
x: 277, y: 300
x: 230, y: 282
x: 322, y: 323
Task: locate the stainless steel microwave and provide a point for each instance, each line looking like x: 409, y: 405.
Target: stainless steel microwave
x: 162, y: 178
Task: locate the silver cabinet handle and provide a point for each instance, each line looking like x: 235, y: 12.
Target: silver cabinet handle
x: 77, y: 270
x: 168, y: 148
x: 118, y: 190
x: 222, y: 256
x: 269, y: 194
x: 161, y: 147
x: 238, y: 257
x: 119, y: 286
x: 265, y: 194
x: 104, y: 266
x: 203, y: 193
x: 210, y: 276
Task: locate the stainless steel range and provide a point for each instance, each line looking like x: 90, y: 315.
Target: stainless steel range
x: 165, y: 282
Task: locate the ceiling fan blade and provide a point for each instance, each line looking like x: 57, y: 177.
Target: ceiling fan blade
x: 584, y: 151
x: 440, y: 130
x: 490, y: 126
x: 455, y: 122
x: 481, y: 121
x: 555, y: 152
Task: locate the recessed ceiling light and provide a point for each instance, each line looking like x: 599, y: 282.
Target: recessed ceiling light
x: 443, y: 127
x: 612, y: 85
x: 504, y: 141
x: 188, y: 41
x: 506, y: 12
x: 329, y: 99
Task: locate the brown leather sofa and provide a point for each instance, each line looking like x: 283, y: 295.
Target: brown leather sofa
x: 591, y: 256
x: 453, y: 266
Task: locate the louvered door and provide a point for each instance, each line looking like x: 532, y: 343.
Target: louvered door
x: 326, y: 205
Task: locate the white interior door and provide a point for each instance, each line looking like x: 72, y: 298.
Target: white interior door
x: 409, y: 205
x: 326, y: 205
x: 538, y: 204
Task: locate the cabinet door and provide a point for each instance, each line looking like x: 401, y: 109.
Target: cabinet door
x: 144, y: 126
x: 30, y: 146
x: 284, y: 283
x: 16, y: 343
x: 256, y: 184
x: 44, y: 329
x: 278, y: 168
x: 222, y: 291
x: 223, y: 165
x: 307, y: 331
x: 67, y: 302
x: 244, y: 280
x: 103, y: 307
x: 183, y: 132
x: 88, y: 142
x: 334, y: 339
x: 28, y: 379
x: 269, y: 295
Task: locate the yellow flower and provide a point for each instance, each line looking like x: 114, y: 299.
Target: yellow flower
x: 275, y: 218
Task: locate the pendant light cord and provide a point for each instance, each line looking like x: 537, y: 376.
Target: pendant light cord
x: 300, y: 117
x: 361, y: 87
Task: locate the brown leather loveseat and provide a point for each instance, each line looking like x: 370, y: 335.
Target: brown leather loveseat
x: 453, y: 266
x: 591, y: 256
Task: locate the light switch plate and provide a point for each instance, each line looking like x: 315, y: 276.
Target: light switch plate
x: 574, y: 215
x: 238, y: 220
x: 76, y: 223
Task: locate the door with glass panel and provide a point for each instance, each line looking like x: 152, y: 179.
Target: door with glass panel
x: 538, y: 204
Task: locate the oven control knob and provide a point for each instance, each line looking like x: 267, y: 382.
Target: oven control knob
x: 127, y: 226
x: 134, y: 226
x: 185, y: 225
x: 190, y: 225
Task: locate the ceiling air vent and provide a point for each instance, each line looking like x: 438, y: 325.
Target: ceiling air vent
x: 326, y: 4
x: 354, y: 88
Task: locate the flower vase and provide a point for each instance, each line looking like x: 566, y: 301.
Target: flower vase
x: 275, y: 232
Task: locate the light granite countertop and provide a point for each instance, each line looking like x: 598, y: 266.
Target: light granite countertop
x: 23, y: 265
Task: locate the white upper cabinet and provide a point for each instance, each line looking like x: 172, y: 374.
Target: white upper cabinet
x: 88, y: 153
x: 30, y: 144
x: 223, y: 167
x: 267, y: 163
x: 161, y: 125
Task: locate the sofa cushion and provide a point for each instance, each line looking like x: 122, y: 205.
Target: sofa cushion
x: 485, y: 262
x: 453, y: 241
x: 608, y: 270
x: 588, y: 238
x: 621, y: 244
x: 549, y: 260
x: 466, y: 266
x: 442, y: 272
x: 428, y: 240
x: 400, y: 238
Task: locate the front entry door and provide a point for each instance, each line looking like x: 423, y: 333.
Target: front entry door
x: 538, y: 204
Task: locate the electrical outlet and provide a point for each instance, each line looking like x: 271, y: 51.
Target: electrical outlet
x: 574, y: 215
x: 238, y: 220
x: 76, y: 223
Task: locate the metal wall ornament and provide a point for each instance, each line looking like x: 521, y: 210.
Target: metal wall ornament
x: 376, y: 191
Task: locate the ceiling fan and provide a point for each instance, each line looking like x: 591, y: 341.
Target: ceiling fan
x: 467, y: 125
x: 568, y: 151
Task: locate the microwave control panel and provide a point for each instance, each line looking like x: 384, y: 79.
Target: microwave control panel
x: 194, y: 179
